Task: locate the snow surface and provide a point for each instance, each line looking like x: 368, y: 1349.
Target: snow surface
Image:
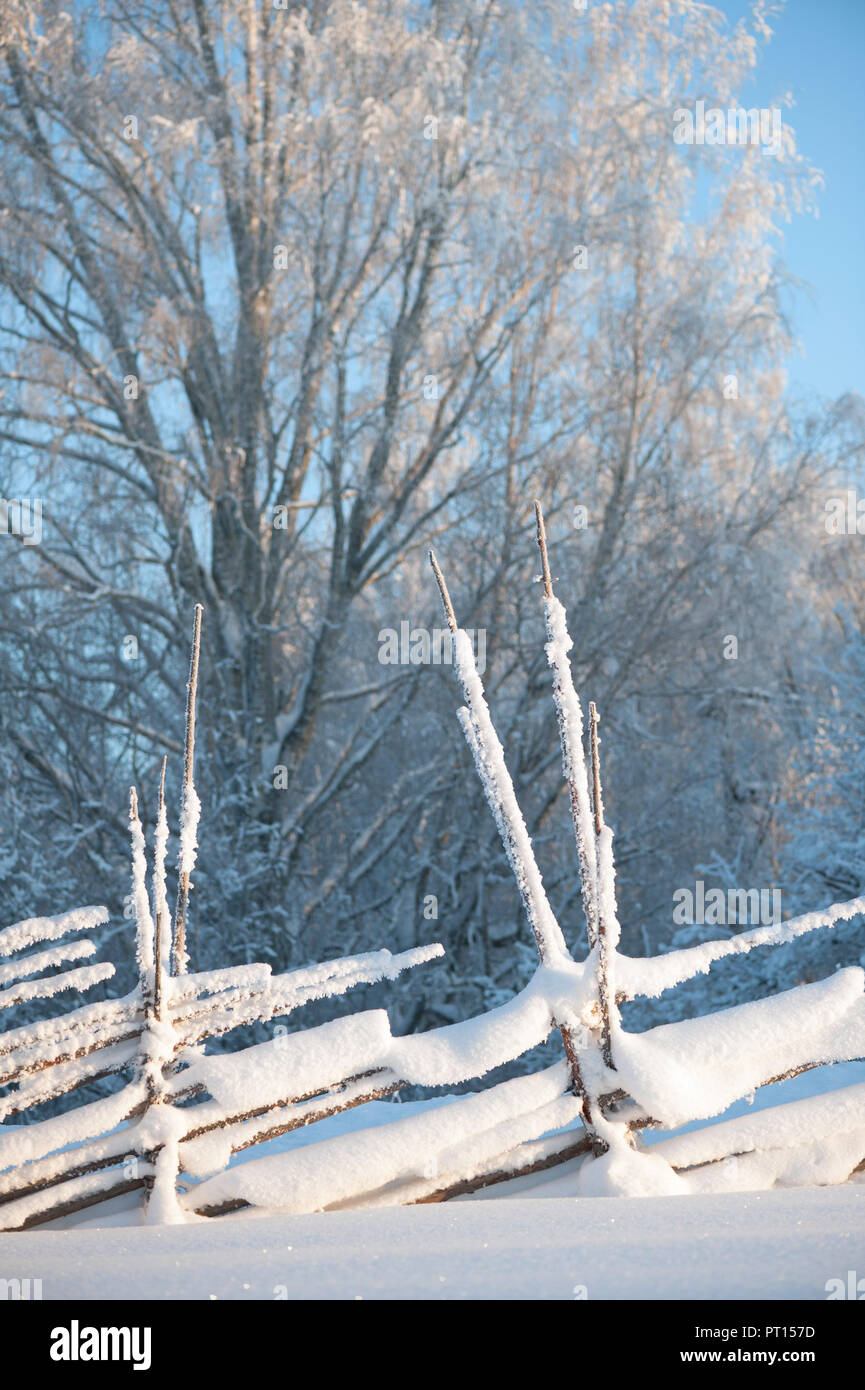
x: 767, y: 1245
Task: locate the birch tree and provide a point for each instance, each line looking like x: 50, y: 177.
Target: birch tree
x: 289, y: 292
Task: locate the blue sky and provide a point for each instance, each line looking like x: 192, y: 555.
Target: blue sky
x: 817, y: 52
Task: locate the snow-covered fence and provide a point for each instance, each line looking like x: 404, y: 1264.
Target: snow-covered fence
x: 44, y: 1059
x: 612, y: 1084
x: 114, y: 1145
x: 181, y: 1115
x: 152, y: 1039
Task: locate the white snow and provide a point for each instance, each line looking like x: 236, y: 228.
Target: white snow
x: 46, y: 960
x: 23, y: 934
x: 145, y: 929
x: 817, y: 1140
x: 32, y: 1043
x: 607, y: 890
x: 479, y: 1154
x: 81, y: 979
x: 490, y: 762
x: 697, y: 1067
x: 446, y: 1056
x: 312, y: 1060
x: 180, y: 988
x: 161, y: 910
x: 779, y: 1245
x: 161, y: 1130
x: 570, y: 716
x: 293, y: 1065
x: 282, y: 994
x: 649, y: 976
x: 190, y: 817
x: 624, y: 1172
x: 17, y: 1213
x: 19, y: 1144
x: 55, y: 1080
x: 365, y: 1161
x: 41, y: 1170
x: 207, y: 1153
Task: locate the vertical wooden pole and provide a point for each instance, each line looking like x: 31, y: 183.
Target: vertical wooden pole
x: 574, y: 758
x: 188, y: 771
x: 604, y: 999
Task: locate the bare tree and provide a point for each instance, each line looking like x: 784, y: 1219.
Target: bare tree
x: 289, y: 292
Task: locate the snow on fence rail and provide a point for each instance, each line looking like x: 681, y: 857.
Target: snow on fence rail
x: 181, y: 1114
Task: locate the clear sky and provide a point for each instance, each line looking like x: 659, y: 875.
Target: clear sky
x: 817, y: 52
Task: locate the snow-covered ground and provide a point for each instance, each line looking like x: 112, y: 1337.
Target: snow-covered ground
x: 763, y: 1245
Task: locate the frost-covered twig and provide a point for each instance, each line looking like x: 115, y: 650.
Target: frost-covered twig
x: 285, y: 993
x: 378, y: 1165
x: 74, y: 1196
x: 156, y: 1041
x: 60, y: 1078
x: 22, y: 1143
x: 45, y: 960
x: 35, y: 1044
x: 521, y: 1162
